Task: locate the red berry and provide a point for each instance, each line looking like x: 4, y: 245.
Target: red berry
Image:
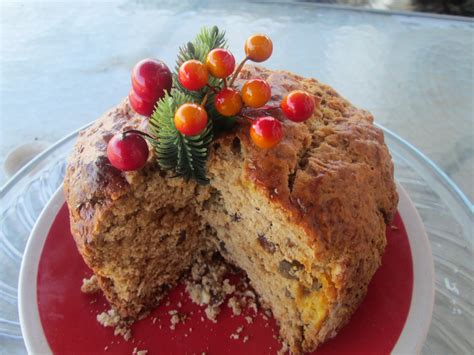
x: 258, y: 48
x: 150, y: 79
x: 220, y: 63
x: 298, y: 106
x: 190, y: 119
x: 228, y: 102
x: 139, y: 105
x: 193, y: 75
x: 266, y: 132
x: 127, y: 151
x: 256, y: 93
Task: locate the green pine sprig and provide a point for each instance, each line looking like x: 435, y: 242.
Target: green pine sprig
x: 187, y: 156
x: 206, y: 40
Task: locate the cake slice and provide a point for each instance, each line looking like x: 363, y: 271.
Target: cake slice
x: 305, y: 220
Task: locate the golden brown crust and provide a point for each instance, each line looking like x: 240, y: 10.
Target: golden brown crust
x: 332, y: 176
x: 338, y: 150
x: 91, y: 183
x: 88, y: 165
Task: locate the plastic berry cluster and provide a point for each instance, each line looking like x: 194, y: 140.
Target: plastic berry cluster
x: 265, y: 131
x: 151, y: 78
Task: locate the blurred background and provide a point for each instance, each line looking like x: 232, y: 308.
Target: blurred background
x: 447, y: 7
x: 410, y: 62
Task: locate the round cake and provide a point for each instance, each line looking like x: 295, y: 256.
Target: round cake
x: 305, y: 220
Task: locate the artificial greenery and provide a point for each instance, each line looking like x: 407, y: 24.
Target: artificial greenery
x: 206, y: 40
x: 185, y: 155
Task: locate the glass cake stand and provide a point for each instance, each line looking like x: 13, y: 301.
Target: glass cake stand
x: 446, y: 212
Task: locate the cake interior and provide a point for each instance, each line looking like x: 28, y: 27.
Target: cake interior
x: 153, y: 235
x: 257, y: 236
x: 149, y: 239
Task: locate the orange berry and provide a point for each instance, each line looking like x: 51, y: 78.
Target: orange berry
x: 258, y: 48
x: 256, y: 93
x: 193, y: 75
x: 297, y: 106
x: 228, y: 102
x: 190, y: 119
x: 266, y: 132
x: 220, y: 63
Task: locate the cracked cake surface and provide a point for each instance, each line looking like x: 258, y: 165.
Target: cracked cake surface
x: 305, y: 220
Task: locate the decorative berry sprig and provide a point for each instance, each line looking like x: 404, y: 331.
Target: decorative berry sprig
x: 151, y: 78
x: 201, y: 100
x: 128, y: 151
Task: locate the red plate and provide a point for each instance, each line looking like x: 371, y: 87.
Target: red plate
x: 69, y: 320
x: 56, y: 317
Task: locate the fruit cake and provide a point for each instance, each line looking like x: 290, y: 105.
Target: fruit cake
x: 304, y: 219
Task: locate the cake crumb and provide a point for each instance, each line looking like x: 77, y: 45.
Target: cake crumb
x: 143, y: 315
x: 250, y: 293
x: 227, y: 287
x: 284, y: 349
x: 249, y: 319
x: 176, y: 318
x: 235, y: 305
x: 394, y: 227
x: 90, y: 285
x: 253, y: 306
x: 212, y: 312
x: 246, y: 339
x: 125, y: 332
x: 206, y: 285
x: 112, y: 319
x: 109, y: 318
x: 236, y: 334
x: 139, y: 352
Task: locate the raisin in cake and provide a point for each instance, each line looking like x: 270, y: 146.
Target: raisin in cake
x: 305, y: 220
